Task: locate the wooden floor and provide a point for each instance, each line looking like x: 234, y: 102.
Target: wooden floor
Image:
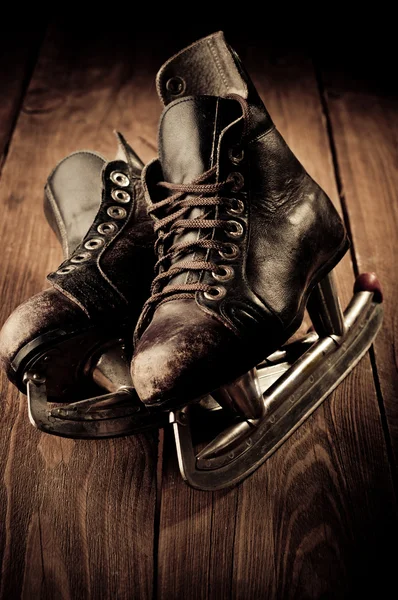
x: 113, y: 519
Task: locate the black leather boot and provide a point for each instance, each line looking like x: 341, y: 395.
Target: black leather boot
x: 98, y: 212
x: 244, y: 233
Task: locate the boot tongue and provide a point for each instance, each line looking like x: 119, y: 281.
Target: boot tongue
x: 189, y: 134
x: 126, y: 153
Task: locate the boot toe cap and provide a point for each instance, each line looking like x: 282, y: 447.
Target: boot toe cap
x: 44, y: 312
x: 183, y: 355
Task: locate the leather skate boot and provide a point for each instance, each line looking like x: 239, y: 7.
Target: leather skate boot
x: 62, y: 345
x: 244, y: 234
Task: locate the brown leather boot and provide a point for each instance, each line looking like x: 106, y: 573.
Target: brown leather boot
x: 98, y: 212
x: 244, y: 233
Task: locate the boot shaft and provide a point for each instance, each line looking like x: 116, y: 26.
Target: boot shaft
x: 109, y: 266
x: 287, y: 229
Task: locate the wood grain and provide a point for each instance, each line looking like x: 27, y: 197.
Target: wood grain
x: 80, y: 519
x: 330, y: 485
x: 365, y: 133
x: 77, y: 517
x: 17, y: 56
x: 321, y: 512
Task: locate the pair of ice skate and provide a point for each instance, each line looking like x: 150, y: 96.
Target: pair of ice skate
x: 244, y: 241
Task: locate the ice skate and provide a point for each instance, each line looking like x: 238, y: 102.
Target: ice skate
x: 252, y: 417
x: 64, y: 347
x: 246, y: 241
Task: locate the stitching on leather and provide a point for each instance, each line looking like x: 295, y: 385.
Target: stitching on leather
x: 190, y: 278
x: 225, y: 318
x: 216, y: 137
x: 262, y: 135
x: 325, y: 266
x: 89, y: 152
x: 137, y: 185
x: 218, y: 64
x: 60, y: 224
x: 236, y: 304
x: 172, y: 105
x: 224, y: 321
x: 244, y: 261
x: 163, y: 69
x: 216, y: 132
x: 69, y: 295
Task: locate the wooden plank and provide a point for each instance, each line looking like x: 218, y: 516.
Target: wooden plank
x: 364, y: 118
x: 17, y: 56
x: 318, y: 519
x: 77, y: 516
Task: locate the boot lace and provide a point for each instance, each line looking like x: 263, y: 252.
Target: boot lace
x: 171, y: 220
x: 174, y: 222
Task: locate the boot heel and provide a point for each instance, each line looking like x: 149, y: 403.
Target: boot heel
x: 324, y: 308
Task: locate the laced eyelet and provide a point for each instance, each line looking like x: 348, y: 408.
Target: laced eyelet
x: 225, y: 273
x: 81, y: 257
x: 235, y: 206
x: 235, y: 229
x: 106, y: 228
x: 120, y: 179
x: 233, y: 252
x: 116, y: 212
x: 217, y: 292
x: 120, y: 196
x: 94, y: 243
x: 66, y: 270
x: 238, y: 181
x: 235, y: 155
x: 176, y: 86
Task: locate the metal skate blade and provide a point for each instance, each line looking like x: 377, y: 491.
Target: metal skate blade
x: 288, y: 401
x: 113, y: 414
x: 99, y: 407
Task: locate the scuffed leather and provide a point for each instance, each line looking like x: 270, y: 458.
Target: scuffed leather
x: 178, y: 355
x: 207, y: 67
x: 118, y: 274
x: 292, y: 234
x: 112, y: 286
x: 47, y: 311
x: 211, y: 67
x: 105, y: 283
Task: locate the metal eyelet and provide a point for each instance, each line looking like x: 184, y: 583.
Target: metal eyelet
x: 233, y: 252
x: 176, y: 86
x: 225, y: 275
x: 236, y: 156
x: 116, y: 212
x: 94, y: 243
x: 121, y: 196
x: 235, y: 206
x: 236, y: 231
x: 106, y: 228
x: 66, y: 270
x: 81, y: 257
x: 120, y: 179
x: 238, y: 180
x: 217, y: 292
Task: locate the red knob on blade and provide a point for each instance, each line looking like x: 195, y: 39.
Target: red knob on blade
x: 368, y: 282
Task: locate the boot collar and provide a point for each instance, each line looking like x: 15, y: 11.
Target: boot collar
x: 211, y: 67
